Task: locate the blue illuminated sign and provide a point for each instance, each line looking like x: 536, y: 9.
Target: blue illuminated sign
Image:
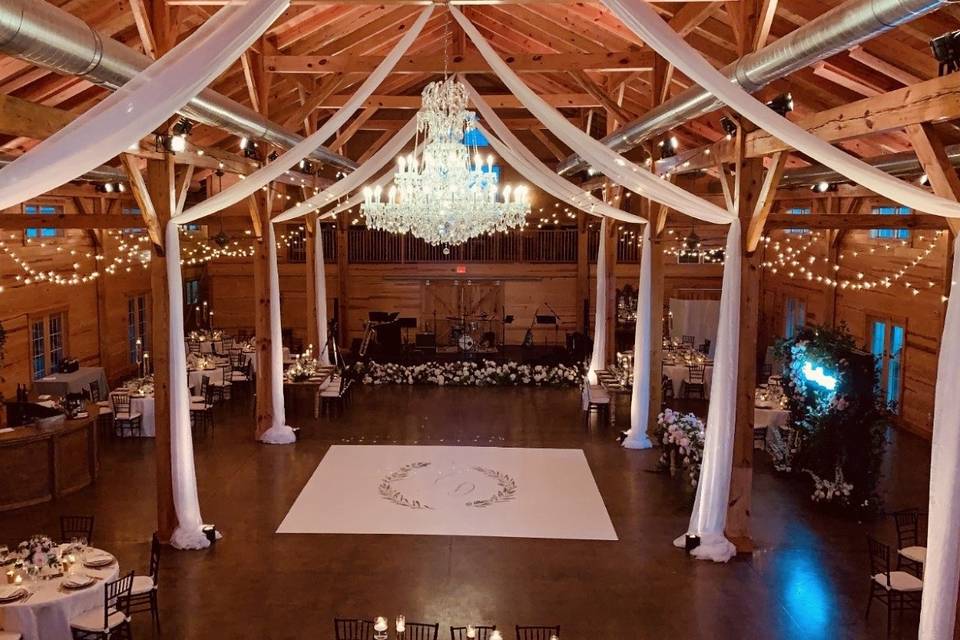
x: 817, y: 375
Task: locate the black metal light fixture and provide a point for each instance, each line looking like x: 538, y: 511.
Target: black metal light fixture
x: 782, y: 104
x: 946, y: 50
x: 823, y: 186
x: 729, y: 126
x: 668, y: 147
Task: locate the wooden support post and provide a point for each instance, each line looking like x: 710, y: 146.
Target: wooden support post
x: 610, y: 262
x: 161, y: 192
x: 656, y: 311
x: 261, y: 296
x: 582, y: 305
x: 310, y: 232
x: 748, y: 188
x: 343, y: 304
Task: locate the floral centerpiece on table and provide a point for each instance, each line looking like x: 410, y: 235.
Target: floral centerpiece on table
x: 469, y: 373
x: 38, y: 551
x: 838, y: 418
x: 682, y: 437
x: 301, y: 369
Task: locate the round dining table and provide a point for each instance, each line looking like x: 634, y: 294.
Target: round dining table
x: 145, y: 406
x: 46, y: 613
x: 195, y: 377
x: 678, y: 372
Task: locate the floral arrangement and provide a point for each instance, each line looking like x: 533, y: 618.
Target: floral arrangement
x: 682, y: 438
x: 838, y: 418
x: 469, y: 373
x: 38, y: 550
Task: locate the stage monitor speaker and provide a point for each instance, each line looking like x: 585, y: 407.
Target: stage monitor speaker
x: 408, y: 323
x: 546, y: 319
x: 426, y: 341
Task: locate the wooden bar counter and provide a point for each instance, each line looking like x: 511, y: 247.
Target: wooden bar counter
x: 47, y: 459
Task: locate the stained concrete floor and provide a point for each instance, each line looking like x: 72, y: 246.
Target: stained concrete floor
x: 807, y: 580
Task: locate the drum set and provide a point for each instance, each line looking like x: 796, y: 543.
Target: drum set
x: 472, y: 333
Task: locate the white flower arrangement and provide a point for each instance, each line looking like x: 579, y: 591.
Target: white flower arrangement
x: 836, y: 490
x: 682, y: 437
x: 469, y: 374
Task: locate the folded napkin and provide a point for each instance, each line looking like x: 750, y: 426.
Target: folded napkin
x: 49, y: 378
x: 11, y: 592
x: 99, y: 560
x: 77, y: 582
x: 6, y: 430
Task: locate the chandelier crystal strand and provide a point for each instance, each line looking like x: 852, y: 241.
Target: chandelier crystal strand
x: 445, y: 197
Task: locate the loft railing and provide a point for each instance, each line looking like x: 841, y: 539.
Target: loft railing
x: 540, y: 245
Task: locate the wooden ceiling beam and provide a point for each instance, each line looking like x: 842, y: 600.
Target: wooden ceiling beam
x: 497, y: 101
x: 628, y: 60
x: 19, y: 221
x: 854, y: 221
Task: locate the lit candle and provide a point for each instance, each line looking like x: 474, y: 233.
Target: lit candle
x: 471, y: 631
x: 10, y: 576
x: 401, y: 624
x: 380, y: 624
x: 496, y: 635
x: 18, y: 579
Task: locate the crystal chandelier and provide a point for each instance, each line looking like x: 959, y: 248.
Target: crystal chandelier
x: 439, y: 192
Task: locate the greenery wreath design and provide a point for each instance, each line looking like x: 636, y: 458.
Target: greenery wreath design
x: 506, y: 487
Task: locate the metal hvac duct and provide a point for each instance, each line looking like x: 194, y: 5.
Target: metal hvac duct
x: 898, y: 164
x: 832, y: 32
x: 49, y: 37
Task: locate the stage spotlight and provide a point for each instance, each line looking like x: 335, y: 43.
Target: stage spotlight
x: 782, y: 104
x: 946, y: 50
x: 121, y: 187
x: 668, y: 147
x: 924, y: 180
x: 823, y: 186
x: 273, y: 156
x: 244, y: 143
x: 183, y: 127
x: 177, y: 143
x: 729, y: 126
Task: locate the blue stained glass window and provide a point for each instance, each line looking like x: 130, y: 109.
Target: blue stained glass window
x: 891, y: 234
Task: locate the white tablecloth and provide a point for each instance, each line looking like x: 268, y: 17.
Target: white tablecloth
x: 194, y: 378
x: 144, y: 405
x: 679, y: 372
x: 207, y: 346
x: 764, y: 418
x: 59, y: 384
x: 47, y: 614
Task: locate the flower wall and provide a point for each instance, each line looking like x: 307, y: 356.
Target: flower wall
x: 469, y: 374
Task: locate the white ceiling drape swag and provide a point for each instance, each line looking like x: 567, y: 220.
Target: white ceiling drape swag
x: 942, y: 568
x: 598, y: 359
x: 357, y: 179
x: 189, y: 532
x: 709, y: 517
x: 302, y: 149
x: 613, y: 165
x: 320, y: 293
x: 637, y: 437
x: 279, y: 432
x: 121, y: 119
x: 644, y: 21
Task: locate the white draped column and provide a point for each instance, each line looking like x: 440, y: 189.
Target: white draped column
x: 941, y: 571
x: 709, y: 517
x: 279, y: 432
x: 189, y: 532
x: 320, y: 294
x: 637, y: 437
x: 598, y: 360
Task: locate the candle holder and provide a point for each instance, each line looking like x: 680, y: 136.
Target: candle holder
x: 380, y: 628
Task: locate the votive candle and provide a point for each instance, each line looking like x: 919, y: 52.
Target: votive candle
x: 380, y: 624
x: 401, y: 624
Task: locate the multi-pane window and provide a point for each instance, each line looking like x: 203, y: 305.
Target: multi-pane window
x: 795, y: 315
x: 42, y: 209
x: 296, y: 243
x: 887, y: 340
x: 47, y: 343
x: 191, y: 292
x: 891, y: 234
x: 137, y: 325
x: 798, y: 211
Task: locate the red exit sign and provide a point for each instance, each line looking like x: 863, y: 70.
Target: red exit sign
x: 461, y: 268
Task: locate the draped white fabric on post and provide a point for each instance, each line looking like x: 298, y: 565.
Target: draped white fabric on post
x: 189, y: 532
x: 598, y: 359
x: 320, y: 293
x: 355, y: 180
x: 709, y: 516
x: 279, y: 432
x: 637, y: 437
x: 141, y: 105
x: 302, y: 149
x: 644, y: 21
x: 942, y: 568
x: 615, y: 166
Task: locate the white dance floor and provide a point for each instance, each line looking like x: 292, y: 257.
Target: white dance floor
x: 463, y: 491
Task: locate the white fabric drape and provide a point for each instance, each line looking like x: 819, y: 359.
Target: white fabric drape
x: 644, y: 21
x: 141, y: 105
x: 709, y: 517
x: 302, y: 149
x: 615, y: 166
x: 942, y: 568
x: 697, y: 318
x: 358, y: 178
x: 637, y: 437
x: 279, y: 432
x: 320, y: 293
x: 189, y: 532
x: 598, y: 359
x: 517, y: 155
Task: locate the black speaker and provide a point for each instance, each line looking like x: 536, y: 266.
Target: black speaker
x: 426, y: 341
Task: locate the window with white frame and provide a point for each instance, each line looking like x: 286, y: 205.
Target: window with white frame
x: 798, y: 211
x: 795, y: 315
x: 47, y: 343
x: 44, y: 210
x: 137, y: 327
x: 891, y: 234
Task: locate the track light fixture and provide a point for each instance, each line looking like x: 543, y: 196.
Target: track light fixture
x: 782, y: 104
x: 729, y: 126
x: 668, y: 147
x: 946, y: 50
x: 823, y: 186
